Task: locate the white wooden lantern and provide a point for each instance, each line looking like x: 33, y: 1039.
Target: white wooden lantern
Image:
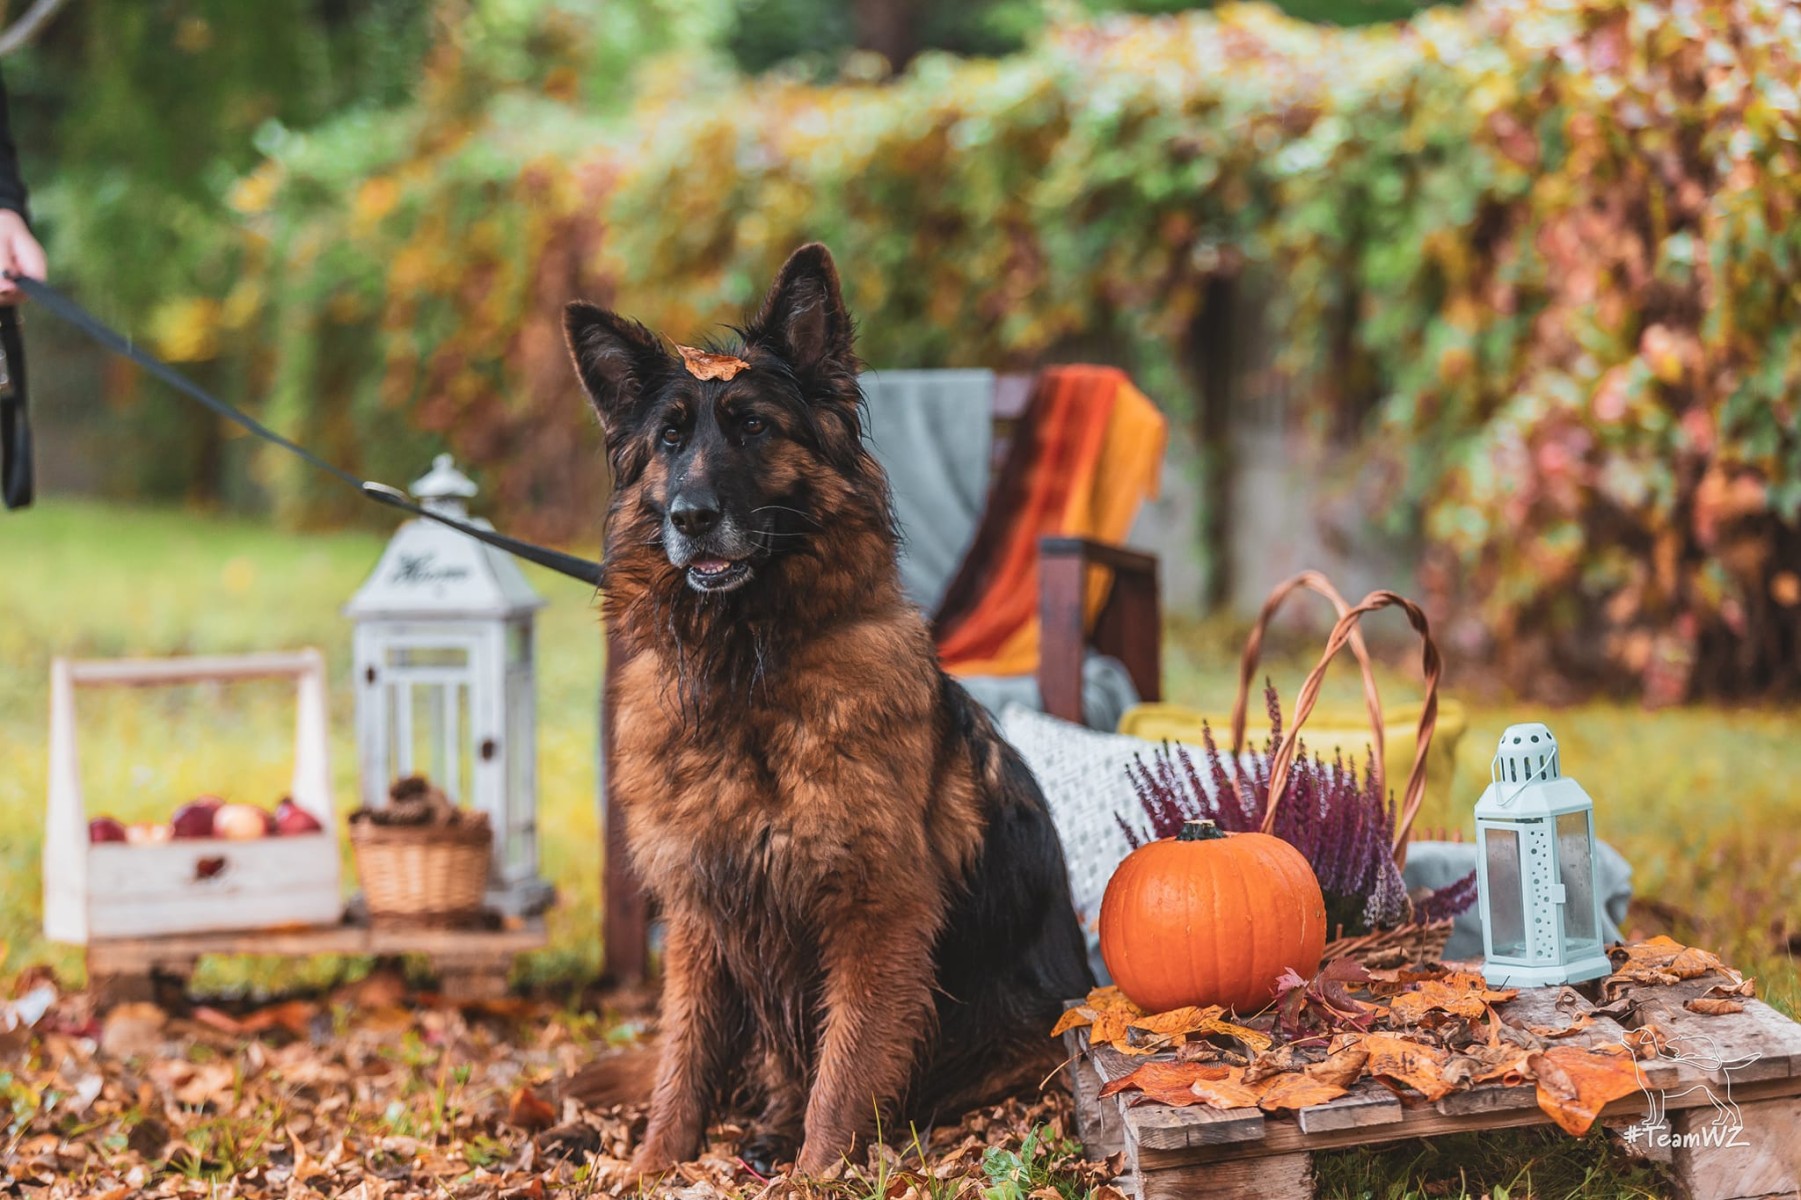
x: 1535, y: 827
x: 444, y: 679
x: 94, y: 892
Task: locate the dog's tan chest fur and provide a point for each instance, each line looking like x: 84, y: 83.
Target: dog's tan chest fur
x: 815, y: 783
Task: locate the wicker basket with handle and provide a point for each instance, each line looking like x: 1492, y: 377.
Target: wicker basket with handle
x: 1411, y: 940
x: 422, y: 876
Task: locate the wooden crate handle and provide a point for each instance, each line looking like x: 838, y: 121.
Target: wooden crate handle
x: 1315, y: 582
x: 1430, y: 665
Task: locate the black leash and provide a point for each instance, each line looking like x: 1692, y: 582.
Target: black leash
x: 15, y: 415
x: 16, y: 433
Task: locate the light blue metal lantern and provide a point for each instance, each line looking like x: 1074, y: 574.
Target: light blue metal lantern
x: 1535, y: 829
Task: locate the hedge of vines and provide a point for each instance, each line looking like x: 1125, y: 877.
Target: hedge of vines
x: 1542, y: 255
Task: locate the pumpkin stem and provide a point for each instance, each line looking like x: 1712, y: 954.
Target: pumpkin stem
x: 1199, y: 831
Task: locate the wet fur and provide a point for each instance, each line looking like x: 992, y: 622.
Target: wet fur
x: 866, y: 906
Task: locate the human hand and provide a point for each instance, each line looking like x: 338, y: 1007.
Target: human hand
x: 19, y: 252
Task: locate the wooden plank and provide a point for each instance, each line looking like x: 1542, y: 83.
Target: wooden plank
x: 1098, y: 1122
x: 1159, y: 1130
x: 1487, y: 1097
x: 1110, y: 1064
x: 1278, y: 1177
x: 1557, y: 1008
x: 126, y: 955
x: 133, y: 672
x: 1368, y: 1103
x: 1763, y: 1160
x: 1759, y: 1043
x: 1283, y: 1137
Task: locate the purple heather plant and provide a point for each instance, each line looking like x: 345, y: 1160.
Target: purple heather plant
x: 1335, y: 818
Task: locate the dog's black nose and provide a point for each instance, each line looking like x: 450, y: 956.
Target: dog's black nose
x: 694, y: 515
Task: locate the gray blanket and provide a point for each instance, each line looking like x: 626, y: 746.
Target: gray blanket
x: 933, y: 432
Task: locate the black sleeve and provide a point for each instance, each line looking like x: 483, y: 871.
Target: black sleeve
x: 12, y: 188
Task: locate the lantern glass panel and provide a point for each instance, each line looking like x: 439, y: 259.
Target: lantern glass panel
x: 428, y: 714
x: 1506, y: 895
x: 1576, y: 873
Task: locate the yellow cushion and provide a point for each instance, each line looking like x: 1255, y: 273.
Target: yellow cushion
x: 1328, y: 731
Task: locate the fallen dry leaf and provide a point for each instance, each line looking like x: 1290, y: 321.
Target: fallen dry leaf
x: 1414, y: 1064
x: 1714, y: 1006
x: 1296, y: 1090
x: 1462, y: 994
x: 528, y: 1111
x: 1166, y: 1082
x: 1229, y: 1092
x: 704, y: 364
x: 133, y: 1030
x: 1113, y: 1020
x: 1662, y: 961
x: 1344, y: 1065
x: 1582, y: 1021
x: 1576, y: 1083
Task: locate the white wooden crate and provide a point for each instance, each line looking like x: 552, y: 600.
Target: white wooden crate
x: 115, y: 890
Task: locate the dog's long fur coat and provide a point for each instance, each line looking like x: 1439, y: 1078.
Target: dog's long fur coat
x: 866, y: 906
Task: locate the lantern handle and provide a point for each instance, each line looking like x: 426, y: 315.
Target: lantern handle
x: 1494, y: 776
x: 1316, y: 582
x: 1430, y: 665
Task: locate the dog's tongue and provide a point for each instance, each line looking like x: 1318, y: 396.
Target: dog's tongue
x: 710, y: 566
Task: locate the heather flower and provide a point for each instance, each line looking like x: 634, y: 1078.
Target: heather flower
x: 1333, y: 815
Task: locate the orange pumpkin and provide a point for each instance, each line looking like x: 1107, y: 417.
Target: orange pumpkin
x: 1208, y: 917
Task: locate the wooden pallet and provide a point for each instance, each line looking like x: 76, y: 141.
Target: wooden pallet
x: 471, y: 964
x: 1247, y: 1154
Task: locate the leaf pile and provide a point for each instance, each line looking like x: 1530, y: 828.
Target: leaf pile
x: 373, y: 1092
x: 1423, y: 1032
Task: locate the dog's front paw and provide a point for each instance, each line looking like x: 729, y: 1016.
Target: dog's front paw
x: 651, y: 1161
x: 821, y: 1159
x: 766, y: 1150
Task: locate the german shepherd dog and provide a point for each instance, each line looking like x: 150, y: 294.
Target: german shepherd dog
x: 865, y: 901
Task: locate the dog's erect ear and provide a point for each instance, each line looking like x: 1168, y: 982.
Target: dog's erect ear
x: 615, y: 357
x: 804, y: 319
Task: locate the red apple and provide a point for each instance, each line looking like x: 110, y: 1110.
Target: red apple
x: 105, y: 829
x: 291, y: 819
x: 240, y: 822
x: 195, y: 818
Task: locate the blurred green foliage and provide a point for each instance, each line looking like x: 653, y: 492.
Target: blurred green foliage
x: 135, y: 120
x: 1539, y: 257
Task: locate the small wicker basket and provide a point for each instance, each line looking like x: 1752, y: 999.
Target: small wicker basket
x: 1412, y: 941
x: 422, y: 876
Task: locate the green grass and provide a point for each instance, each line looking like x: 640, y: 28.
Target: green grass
x: 1702, y: 800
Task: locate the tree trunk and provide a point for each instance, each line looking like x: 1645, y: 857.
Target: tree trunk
x: 888, y: 27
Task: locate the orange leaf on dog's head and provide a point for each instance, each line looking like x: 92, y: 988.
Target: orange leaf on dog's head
x: 704, y: 364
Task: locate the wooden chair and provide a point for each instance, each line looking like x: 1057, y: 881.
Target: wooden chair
x: 1129, y: 628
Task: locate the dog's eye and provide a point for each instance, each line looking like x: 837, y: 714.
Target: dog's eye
x: 751, y: 425
x: 672, y: 435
